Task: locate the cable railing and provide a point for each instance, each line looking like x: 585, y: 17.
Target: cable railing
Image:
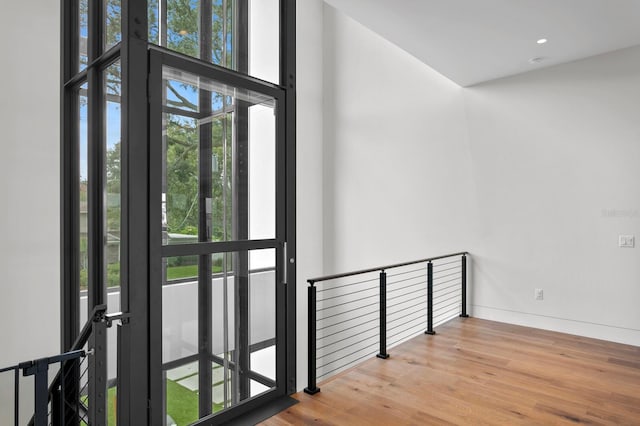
x: 355, y: 315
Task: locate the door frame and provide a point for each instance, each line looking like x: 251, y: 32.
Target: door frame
x: 159, y: 58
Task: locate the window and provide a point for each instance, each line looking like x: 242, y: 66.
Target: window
x: 178, y: 165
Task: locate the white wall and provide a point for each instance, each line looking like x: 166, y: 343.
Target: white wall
x: 397, y: 182
x: 29, y: 189
x: 309, y: 173
x: 554, y: 153
x: 524, y: 172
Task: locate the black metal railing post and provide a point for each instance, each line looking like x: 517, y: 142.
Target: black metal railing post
x: 311, y: 335
x: 56, y: 407
x: 383, y: 316
x: 464, y: 287
x: 40, y: 370
x: 430, y: 299
x: 16, y: 401
x: 98, y: 374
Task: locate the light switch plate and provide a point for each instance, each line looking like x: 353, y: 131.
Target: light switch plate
x: 626, y: 241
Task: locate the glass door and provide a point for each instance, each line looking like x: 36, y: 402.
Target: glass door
x: 217, y: 238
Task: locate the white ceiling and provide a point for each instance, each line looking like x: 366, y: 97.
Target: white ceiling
x: 472, y: 41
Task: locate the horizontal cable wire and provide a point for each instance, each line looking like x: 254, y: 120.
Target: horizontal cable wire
x: 409, y: 293
x: 345, y: 347
x: 345, y: 312
x: 343, y: 357
x: 444, y: 270
x: 441, y: 283
x: 424, y: 302
x: 347, y: 285
x: 447, y: 314
x: 406, y: 294
x: 407, y: 286
x: 341, y: 331
x: 406, y: 272
x: 341, y: 340
x: 404, y: 323
x: 447, y: 275
x: 447, y: 307
x: 447, y: 263
x: 409, y: 330
x: 406, y: 279
x: 352, y: 319
x: 345, y: 303
x: 443, y: 309
x: 405, y: 316
x: 452, y: 314
x: 445, y: 300
x: 343, y: 366
x: 346, y: 294
x: 440, y: 289
x: 455, y: 290
x: 409, y: 333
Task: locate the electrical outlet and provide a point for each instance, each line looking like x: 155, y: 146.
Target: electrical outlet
x: 626, y: 241
x: 539, y: 294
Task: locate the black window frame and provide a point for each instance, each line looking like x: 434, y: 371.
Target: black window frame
x: 135, y: 400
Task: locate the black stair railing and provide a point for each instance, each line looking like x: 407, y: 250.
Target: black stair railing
x: 77, y: 394
x: 351, y: 319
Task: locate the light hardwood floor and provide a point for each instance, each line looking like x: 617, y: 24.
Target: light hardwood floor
x: 478, y: 372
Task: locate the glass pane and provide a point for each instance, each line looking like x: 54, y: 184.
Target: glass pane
x: 180, y: 339
x: 253, y: 50
x: 241, y: 281
x: 112, y: 30
x: 241, y: 301
x: 181, y: 269
x: 181, y: 179
x: 264, y: 39
x: 111, y: 85
x: 83, y: 27
x: 83, y: 183
x: 237, y: 129
x: 182, y: 25
x: 112, y: 128
x: 152, y: 20
x: 181, y: 394
x: 180, y: 310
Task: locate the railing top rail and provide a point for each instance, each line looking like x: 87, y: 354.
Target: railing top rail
x: 5, y: 369
x: 312, y: 281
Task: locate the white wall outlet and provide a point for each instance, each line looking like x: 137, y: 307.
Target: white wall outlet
x: 538, y: 294
x: 626, y: 241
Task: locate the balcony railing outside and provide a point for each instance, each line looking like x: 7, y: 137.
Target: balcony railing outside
x: 354, y: 315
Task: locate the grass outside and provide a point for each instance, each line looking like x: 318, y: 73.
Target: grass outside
x: 187, y: 271
x: 173, y: 273
x: 182, y: 404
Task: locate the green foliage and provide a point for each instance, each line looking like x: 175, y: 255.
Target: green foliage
x: 183, y: 23
x: 182, y: 134
x: 113, y: 275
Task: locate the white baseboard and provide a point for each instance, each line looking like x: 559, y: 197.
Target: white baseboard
x: 580, y: 328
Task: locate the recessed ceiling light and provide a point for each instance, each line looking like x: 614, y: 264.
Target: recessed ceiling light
x: 542, y: 41
x: 536, y: 60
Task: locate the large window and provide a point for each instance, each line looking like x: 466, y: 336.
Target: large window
x: 240, y: 35
x: 178, y: 183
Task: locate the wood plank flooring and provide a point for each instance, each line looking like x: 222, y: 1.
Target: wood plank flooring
x: 478, y: 372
